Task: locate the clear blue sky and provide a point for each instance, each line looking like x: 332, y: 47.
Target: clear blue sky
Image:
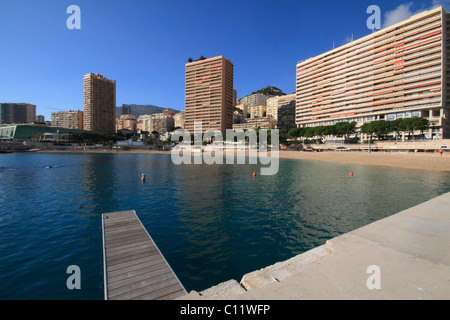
x: 144, y: 44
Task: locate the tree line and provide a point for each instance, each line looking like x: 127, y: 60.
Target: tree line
x: 379, y: 128
x: 91, y: 137
x: 382, y: 128
x: 340, y: 129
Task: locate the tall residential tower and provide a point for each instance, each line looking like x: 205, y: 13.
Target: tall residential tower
x: 209, y: 94
x: 398, y: 72
x: 17, y: 113
x: 99, y: 103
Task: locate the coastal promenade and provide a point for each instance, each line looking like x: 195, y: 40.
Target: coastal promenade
x: 404, y: 256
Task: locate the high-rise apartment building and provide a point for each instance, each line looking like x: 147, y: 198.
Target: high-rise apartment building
x: 99, y: 103
x: 68, y: 119
x: 209, y: 94
x: 17, y: 113
x: 398, y: 72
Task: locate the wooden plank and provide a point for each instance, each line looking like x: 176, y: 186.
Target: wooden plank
x: 132, y: 271
x: 118, y: 282
x: 134, y: 267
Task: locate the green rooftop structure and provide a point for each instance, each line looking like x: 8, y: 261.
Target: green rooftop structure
x: 26, y: 132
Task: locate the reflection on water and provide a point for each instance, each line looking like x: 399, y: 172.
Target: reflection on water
x: 212, y: 223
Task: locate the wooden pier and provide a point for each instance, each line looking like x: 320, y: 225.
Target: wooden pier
x: 134, y: 268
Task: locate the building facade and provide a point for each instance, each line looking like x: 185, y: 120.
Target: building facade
x: 163, y: 124
x: 68, y: 119
x: 398, y: 72
x: 285, y: 119
x: 99, y: 103
x: 40, y: 119
x: 125, y: 109
x: 257, y: 111
x: 209, y: 94
x: 267, y: 123
x: 17, y: 113
x: 126, y: 122
x: 179, y: 120
x: 273, y: 103
x: 243, y: 108
x: 144, y: 123
x: 254, y: 99
x: 159, y: 122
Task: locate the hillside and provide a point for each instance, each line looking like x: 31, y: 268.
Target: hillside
x: 270, y: 91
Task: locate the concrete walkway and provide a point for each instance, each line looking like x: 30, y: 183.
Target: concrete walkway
x: 405, y: 256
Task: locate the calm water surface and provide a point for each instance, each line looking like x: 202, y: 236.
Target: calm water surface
x: 212, y: 223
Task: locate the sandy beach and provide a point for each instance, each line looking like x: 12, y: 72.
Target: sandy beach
x: 419, y: 161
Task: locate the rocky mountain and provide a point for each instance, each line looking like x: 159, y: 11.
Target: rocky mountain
x: 270, y: 91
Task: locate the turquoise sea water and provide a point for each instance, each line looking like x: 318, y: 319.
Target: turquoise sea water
x: 213, y: 223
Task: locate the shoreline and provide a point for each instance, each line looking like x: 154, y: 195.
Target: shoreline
x: 419, y: 161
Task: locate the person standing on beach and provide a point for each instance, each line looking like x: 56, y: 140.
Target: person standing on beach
x: 441, y: 151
